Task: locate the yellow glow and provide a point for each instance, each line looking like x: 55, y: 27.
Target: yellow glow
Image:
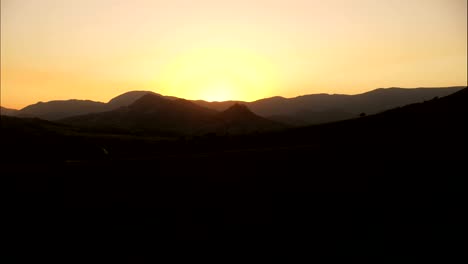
x: 219, y: 74
x: 221, y: 49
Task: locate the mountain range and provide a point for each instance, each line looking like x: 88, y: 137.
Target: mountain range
x: 155, y: 114
x: 59, y: 109
x: 298, y: 111
x: 429, y: 130
x: 396, y: 177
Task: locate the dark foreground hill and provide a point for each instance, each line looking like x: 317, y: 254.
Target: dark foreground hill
x: 388, y: 185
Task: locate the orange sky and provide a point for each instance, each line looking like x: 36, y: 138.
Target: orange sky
x: 216, y: 49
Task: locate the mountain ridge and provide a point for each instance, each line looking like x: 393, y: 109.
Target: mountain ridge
x: 300, y: 110
x: 155, y: 114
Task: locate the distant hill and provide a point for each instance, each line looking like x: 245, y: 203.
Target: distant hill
x: 7, y: 111
x: 323, y: 108
x: 59, y: 109
x: 299, y: 111
x: 55, y: 110
x: 218, y: 106
x: 433, y: 129
x: 367, y: 184
x: 154, y: 114
x: 238, y: 119
x: 127, y: 99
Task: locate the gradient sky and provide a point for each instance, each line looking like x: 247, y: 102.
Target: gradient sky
x: 242, y: 49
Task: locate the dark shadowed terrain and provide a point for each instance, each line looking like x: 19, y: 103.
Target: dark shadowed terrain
x: 385, y: 184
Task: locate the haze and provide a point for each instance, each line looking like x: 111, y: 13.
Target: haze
x: 218, y: 50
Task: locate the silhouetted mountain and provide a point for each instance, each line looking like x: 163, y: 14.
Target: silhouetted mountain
x: 302, y: 110
x: 238, y: 119
x: 366, y: 185
x: 323, y: 108
x: 218, y: 106
x: 127, y: 99
x: 55, y: 110
x: 432, y: 129
x: 155, y: 104
x: 151, y: 113
x: 238, y: 111
x: 154, y: 114
x: 59, y: 109
x: 8, y: 111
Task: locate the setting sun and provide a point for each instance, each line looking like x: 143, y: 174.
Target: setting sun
x: 218, y: 74
x: 219, y: 50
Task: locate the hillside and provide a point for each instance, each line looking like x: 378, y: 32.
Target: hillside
x: 432, y: 129
x: 347, y: 184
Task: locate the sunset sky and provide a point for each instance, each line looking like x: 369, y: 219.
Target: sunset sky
x: 218, y: 50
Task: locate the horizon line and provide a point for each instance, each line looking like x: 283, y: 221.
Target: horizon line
x: 234, y: 100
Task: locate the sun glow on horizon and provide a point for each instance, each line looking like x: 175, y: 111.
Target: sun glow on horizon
x: 219, y: 74
x: 220, y: 50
